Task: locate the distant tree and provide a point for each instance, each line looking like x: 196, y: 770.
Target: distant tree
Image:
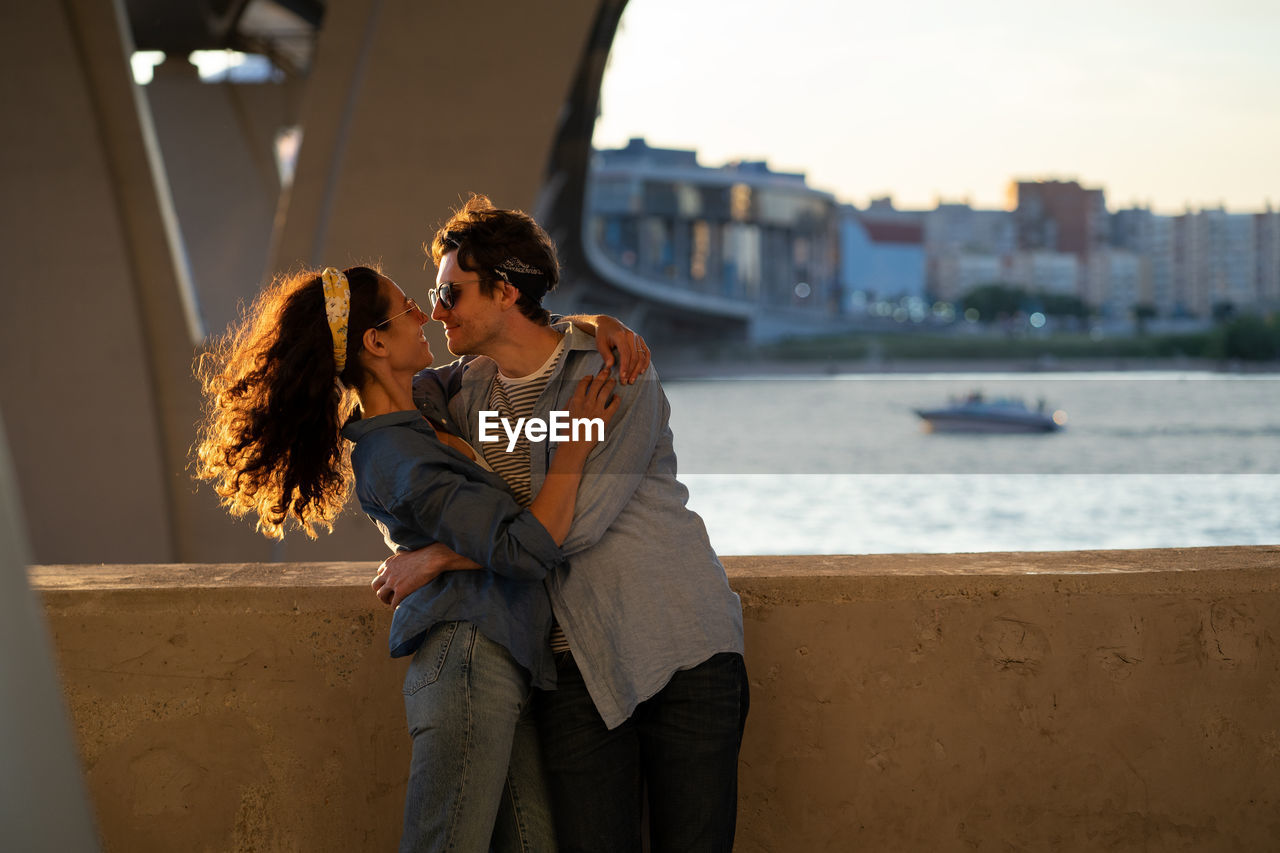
x: 1063, y: 305
x: 994, y: 300
x: 1143, y: 312
x: 1223, y: 311
x: 1249, y: 338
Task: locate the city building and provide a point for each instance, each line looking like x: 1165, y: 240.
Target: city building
x: 954, y: 273
x: 959, y: 227
x: 738, y: 240
x: 1215, y: 262
x: 881, y: 257
x: 1059, y: 216
x: 1150, y: 236
x: 742, y: 241
x: 1267, y: 245
x: 1113, y: 283
x: 1046, y: 271
x: 966, y: 248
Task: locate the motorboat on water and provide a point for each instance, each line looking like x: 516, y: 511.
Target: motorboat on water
x: 977, y: 414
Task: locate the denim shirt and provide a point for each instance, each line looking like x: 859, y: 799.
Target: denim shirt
x: 419, y: 491
x: 643, y: 594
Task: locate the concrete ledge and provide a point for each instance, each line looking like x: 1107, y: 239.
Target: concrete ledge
x: 1114, y: 700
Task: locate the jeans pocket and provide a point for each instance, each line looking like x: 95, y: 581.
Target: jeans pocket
x: 429, y: 660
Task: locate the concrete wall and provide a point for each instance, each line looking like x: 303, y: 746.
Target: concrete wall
x: 95, y: 339
x: 1069, y: 701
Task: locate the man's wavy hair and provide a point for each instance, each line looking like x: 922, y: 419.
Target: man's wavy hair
x: 485, y: 237
x: 270, y: 438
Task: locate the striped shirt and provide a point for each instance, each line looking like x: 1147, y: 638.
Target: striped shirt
x: 514, y: 399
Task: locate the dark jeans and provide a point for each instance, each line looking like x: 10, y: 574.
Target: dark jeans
x: 681, y: 745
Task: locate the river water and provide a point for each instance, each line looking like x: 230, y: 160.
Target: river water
x: 841, y: 464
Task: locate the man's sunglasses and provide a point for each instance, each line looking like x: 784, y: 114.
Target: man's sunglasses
x: 446, y: 293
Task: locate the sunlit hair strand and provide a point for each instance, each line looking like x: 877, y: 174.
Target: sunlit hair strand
x: 270, y: 438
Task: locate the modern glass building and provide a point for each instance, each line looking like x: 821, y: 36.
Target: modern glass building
x: 737, y: 241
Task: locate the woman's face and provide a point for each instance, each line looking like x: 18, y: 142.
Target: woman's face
x: 402, y: 331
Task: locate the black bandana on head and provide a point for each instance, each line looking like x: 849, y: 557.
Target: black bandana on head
x: 530, y: 281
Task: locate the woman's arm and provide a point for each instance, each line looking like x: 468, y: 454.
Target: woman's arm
x: 405, y: 572
x: 420, y: 492
x: 611, y: 334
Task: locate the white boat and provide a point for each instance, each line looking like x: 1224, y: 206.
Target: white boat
x: 975, y: 413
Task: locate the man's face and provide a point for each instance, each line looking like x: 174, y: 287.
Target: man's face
x: 474, y: 322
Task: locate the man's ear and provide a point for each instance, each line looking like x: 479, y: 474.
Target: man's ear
x: 509, y: 294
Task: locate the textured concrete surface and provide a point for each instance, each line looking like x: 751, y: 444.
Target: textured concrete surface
x: 1117, y: 700
x: 1080, y: 701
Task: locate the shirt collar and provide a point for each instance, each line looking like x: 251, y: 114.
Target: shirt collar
x: 356, y: 430
x: 576, y: 339
x: 482, y: 369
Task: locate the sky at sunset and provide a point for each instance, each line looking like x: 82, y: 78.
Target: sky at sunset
x: 1160, y: 103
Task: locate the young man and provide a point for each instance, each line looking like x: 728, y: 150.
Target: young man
x: 651, y: 688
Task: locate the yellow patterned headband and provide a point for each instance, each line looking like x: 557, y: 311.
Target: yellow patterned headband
x: 337, y: 307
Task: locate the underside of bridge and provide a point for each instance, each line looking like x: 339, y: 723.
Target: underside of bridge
x: 148, y: 215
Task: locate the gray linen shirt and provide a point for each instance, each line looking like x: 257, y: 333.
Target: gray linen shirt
x: 643, y: 594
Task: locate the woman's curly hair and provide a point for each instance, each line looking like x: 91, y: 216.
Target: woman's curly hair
x: 270, y: 434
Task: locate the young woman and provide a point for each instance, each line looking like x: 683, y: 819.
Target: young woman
x: 314, y: 389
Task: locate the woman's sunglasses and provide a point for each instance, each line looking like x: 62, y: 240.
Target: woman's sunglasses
x: 413, y: 306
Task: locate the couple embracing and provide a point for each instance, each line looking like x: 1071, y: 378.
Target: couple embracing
x: 576, y: 648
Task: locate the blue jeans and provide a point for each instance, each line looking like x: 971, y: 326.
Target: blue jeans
x: 476, y: 776
x: 681, y: 745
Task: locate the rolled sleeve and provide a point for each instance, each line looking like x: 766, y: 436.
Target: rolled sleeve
x: 428, y: 495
